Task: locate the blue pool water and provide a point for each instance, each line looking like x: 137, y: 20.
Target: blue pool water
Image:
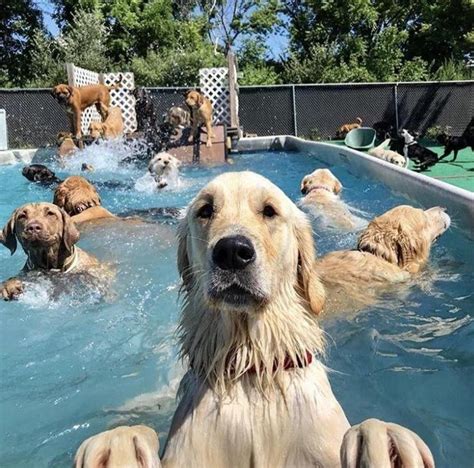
x: 73, y: 365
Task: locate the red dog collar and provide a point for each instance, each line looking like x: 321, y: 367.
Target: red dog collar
x: 288, y: 363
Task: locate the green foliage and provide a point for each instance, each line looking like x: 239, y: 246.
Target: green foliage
x: 433, y: 132
x: 451, y: 70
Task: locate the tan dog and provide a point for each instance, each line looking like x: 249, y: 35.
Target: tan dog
x: 394, y: 246
x: 388, y: 155
x: 79, y: 198
x: 164, y: 168
x: 77, y: 99
x: 66, y: 144
x: 111, y: 128
x: 255, y: 394
x: 201, y: 113
x: 127, y: 447
x: 321, y: 189
x: 346, y: 128
x: 48, y: 237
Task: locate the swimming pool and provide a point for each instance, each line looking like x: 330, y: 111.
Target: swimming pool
x: 74, y: 365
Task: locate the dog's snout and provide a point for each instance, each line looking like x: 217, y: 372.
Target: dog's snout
x: 304, y: 189
x: 233, y: 253
x: 34, y: 227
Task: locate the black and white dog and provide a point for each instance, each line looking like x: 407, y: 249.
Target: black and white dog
x: 423, y: 157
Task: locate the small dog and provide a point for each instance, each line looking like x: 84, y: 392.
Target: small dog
x: 111, y: 128
x: 383, y: 129
x: 48, y: 237
x: 178, y: 117
x: 256, y: 393
x: 201, y: 114
x: 321, y: 189
x: 79, y: 198
x: 66, y: 144
x: 388, y: 155
x: 346, y: 128
x: 423, y: 157
x: 40, y: 174
x: 164, y: 169
x: 451, y: 143
x: 77, y: 99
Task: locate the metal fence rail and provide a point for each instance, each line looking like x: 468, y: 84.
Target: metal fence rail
x: 34, y: 117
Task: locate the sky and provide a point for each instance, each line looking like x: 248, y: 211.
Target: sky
x: 277, y: 43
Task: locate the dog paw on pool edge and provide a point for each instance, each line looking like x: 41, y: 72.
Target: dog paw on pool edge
x: 11, y: 289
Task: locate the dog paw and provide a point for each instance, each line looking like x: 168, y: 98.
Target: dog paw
x: 124, y: 446
x: 378, y: 444
x: 11, y: 289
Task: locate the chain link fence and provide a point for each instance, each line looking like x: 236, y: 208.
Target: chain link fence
x: 313, y: 111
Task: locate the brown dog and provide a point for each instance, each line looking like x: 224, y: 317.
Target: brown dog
x: 79, y: 198
x: 47, y: 235
x: 111, y: 128
x: 66, y: 145
x: 201, y: 113
x: 346, y: 128
x: 77, y: 99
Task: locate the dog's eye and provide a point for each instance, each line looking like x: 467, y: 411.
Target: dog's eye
x: 269, y: 211
x: 51, y: 213
x: 206, y: 211
x: 21, y: 216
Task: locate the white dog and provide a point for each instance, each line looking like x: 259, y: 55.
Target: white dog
x: 321, y: 191
x: 255, y: 393
x: 165, y: 169
x: 388, y: 155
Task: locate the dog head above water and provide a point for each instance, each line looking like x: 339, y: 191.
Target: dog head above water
x: 75, y: 195
x: 39, y: 173
x: 163, y: 163
x: 246, y: 258
x: 321, y: 178
x: 403, y: 235
x: 244, y: 244
x: 39, y: 227
x: 407, y: 137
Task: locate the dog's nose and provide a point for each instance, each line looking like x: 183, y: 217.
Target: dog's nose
x: 165, y: 163
x: 34, y: 227
x: 304, y: 189
x: 233, y: 253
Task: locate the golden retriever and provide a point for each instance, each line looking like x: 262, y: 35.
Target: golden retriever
x: 78, y: 99
x: 127, y: 447
x: 48, y: 237
x: 255, y: 393
x: 164, y: 168
x: 321, y: 191
x: 393, y: 247
x: 346, y: 128
x: 110, y: 128
x: 66, y: 144
x: 79, y: 198
x: 201, y: 113
x: 388, y: 155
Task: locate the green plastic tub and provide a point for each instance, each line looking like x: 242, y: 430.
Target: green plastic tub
x: 360, y: 138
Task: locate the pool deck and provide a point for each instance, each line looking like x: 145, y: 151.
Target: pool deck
x: 459, y: 173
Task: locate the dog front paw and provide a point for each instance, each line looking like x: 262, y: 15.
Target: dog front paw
x: 11, y: 289
x: 378, y: 444
x: 122, y: 446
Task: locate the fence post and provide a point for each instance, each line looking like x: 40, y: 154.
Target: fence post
x: 295, y: 122
x: 395, y: 96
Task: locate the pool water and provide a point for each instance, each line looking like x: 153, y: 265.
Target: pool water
x: 73, y: 365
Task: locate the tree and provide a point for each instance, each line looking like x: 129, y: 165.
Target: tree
x: 20, y: 19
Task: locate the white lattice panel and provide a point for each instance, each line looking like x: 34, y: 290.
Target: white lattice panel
x: 214, y: 84
x: 121, y: 97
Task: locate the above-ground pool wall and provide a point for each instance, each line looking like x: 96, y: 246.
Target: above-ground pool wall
x: 419, y: 188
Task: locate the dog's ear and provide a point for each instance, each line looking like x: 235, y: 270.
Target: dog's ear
x: 412, y: 250
x: 8, y: 235
x: 71, y: 90
x: 59, y: 198
x: 309, y: 284
x: 184, y: 266
x: 201, y: 99
x: 70, y: 232
x: 379, y: 239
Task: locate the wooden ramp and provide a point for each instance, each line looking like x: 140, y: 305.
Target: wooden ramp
x: 189, y: 153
